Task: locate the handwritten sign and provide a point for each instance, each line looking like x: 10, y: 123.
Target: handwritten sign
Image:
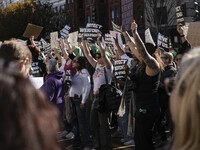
x: 127, y: 14
x: 54, y: 39
x: 73, y: 38
x: 119, y: 71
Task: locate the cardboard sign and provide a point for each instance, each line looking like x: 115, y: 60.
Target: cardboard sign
x: 115, y: 27
x: 193, y: 34
x: 54, y: 39
x: 179, y: 15
x: 65, y: 31
x: 163, y: 41
x: 119, y: 71
x: 36, y: 81
x: 148, y: 37
x: 32, y: 30
x: 73, y: 38
x: 115, y: 34
x: 127, y: 14
x: 90, y: 32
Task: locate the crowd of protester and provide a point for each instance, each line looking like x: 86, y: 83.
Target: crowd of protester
x: 161, y: 93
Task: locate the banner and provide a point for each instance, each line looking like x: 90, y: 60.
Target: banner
x: 73, y: 38
x: 115, y: 27
x: 65, y: 31
x: 179, y: 15
x: 119, y: 71
x: 193, y: 34
x: 54, y: 39
x: 148, y: 37
x: 127, y: 14
x: 32, y: 30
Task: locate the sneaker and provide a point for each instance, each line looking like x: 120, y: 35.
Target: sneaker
x: 70, y: 135
x: 130, y: 142
x: 116, y: 134
x: 87, y: 148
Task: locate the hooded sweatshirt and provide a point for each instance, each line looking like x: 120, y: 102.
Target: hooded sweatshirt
x: 54, y: 87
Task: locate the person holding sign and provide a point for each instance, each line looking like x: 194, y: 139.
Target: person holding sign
x: 146, y: 79
x: 98, y: 122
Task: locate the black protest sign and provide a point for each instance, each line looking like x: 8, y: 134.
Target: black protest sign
x: 163, y: 41
x: 119, y: 71
x: 127, y: 14
x: 68, y: 77
x: 179, y: 15
x: 90, y: 32
x: 115, y: 27
x: 45, y: 46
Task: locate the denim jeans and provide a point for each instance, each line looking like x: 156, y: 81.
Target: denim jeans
x: 80, y: 122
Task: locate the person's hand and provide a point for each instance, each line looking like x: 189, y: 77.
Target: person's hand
x: 31, y: 38
x: 134, y: 27
x: 180, y: 28
x: 98, y: 36
x: 72, y: 49
x: 82, y: 106
x: 116, y: 39
x: 61, y: 43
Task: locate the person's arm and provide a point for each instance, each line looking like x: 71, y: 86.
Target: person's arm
x: 152, y: 66
x: 86, y: 51
x: 119, y: 50
x: 63, y: 49
x: 109, y: 50
x: 32, y: 41
x: 103, y: 53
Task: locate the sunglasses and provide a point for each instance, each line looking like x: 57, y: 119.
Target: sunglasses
x: 75, y: 61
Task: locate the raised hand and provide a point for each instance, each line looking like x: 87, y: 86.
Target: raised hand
x: 180, y: 29
x: 98, y: 36
x: 134, y: 27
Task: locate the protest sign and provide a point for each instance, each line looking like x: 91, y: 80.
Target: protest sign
x: 193, y: 34
x: 45, y: 46
x: 36, y: 81
x: 54, y: 39
x: 108, y: 40
x: 115, y: 34
x: 90, y: 32
x: 68, y: 77
x: 148, y: 37
x: 119, y: 71
x: 32, y: 30
x: 65, y: 31
x: 163, y: 41
x: 127, y: 14
x: 73, y: 38
x: 115, y: 27
x: 179, y: 15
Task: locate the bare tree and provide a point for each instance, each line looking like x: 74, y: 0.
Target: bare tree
x: 160, y: 14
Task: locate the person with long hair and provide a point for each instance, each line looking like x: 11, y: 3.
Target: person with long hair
x: 185, y: 103
x: 78, y: 93
x: 146, y: 78
x: 27, y: 119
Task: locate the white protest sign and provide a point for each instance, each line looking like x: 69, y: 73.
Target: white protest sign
x: 54, y: 39
x: 73, y: 38
x: 65, y: 31
x: 36, y: 81
x: 108, y: 39
x: 148, y: 37
x: 115, y: 27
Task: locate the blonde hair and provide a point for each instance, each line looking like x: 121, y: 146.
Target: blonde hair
x: 185, y: 103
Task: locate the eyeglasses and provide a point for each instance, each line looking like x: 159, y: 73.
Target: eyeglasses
x: 75, y: 61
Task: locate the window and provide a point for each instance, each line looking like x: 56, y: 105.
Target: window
x: 117, y: 13
x: 113, y: 15
x: 162, y: 15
